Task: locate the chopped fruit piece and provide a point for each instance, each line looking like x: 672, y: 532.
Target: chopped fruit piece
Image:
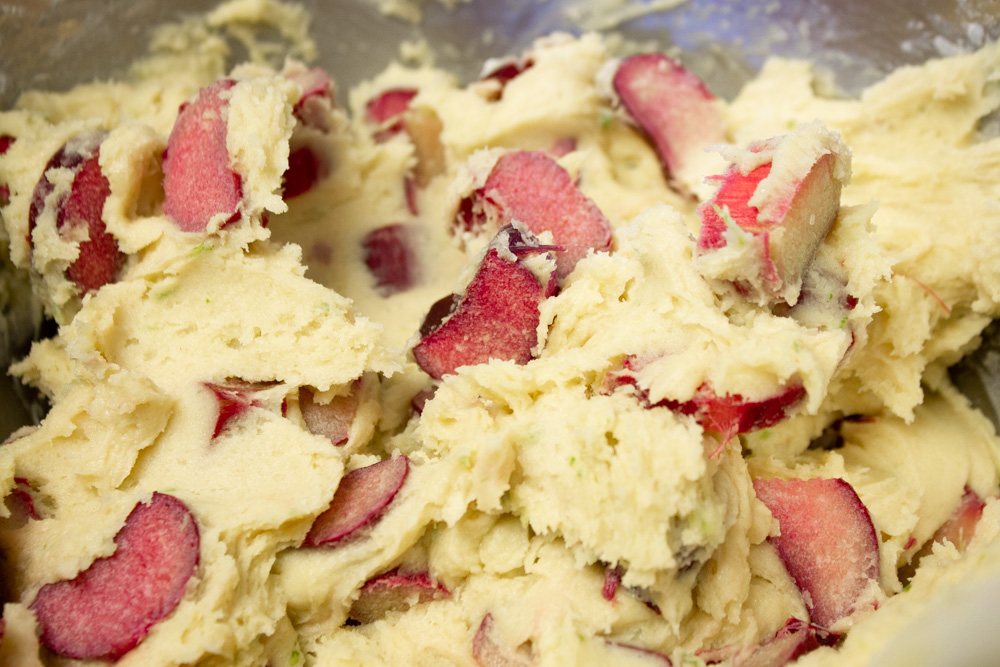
x: 612, y: 580
x: 731, y: 415
x: 317, y: 99
x: 675, y: 109
x: 562, y: 147
x: 496, y: 318
x: 305, y: 169
x: 487, y: 652
x: 961, y: 526
x: 198, y: 179
x: 234, y: 398
x: 793, y: 640
x: 21, y: 503
x: 5, y: 142
x: 767, y: 220
x: 424, y: 129
x: 827, y: 543
x: 361, y: 497
x: 388, y: 254
x: 386, y: 111
x: 111, y: 606
x: 501, y: 71
x: 99, y: 260
x: 394, y: 591
x: 728, y: 415
x: 531, y: 188
x: 331, y: 419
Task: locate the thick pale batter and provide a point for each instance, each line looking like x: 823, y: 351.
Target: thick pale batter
x: 604, y: 495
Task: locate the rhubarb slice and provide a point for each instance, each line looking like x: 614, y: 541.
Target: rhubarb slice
x: 487, y: 651
x: 198, y: 180
x: 361, y: 497
x: 496, y: 318
x: 728, y: 415
x: 333, y: 419
x: 234, y: 397
x: 827, y: 543
x: 394, y: 591
x: 6, y: 141
x: 82, y: 208
x: 675, y: 109
x: 385, y: 111
x: 389, y: 255
x: 110, y: 607
x: 531, y: 188
x: 771, y: 213
x: 961, y: 526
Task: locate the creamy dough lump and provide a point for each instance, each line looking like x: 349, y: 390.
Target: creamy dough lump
x: 575, y: 508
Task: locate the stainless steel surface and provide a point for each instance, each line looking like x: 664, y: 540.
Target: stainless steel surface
x: 54, y: 44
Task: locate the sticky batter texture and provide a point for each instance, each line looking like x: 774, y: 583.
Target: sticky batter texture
x: 539, y: 369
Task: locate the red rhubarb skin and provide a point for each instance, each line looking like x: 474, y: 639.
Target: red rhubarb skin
x: 198, y: 180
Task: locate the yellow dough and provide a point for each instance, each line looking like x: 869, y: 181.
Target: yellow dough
x: 527, y: 483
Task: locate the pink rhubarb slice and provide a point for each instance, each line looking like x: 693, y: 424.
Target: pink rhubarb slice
x: 360, y: 499
x: 496, y: 318
x: 99, y: 260
x: 488, y: 651
x: 198, y: 179
x: 728, y: 415
x: 827, y: 543
x: 389, y: 255
x: 111, y: 606
x: 385, y: 111
x: 531, y: 188
x: 333, y: 419
x: 774, y: 219
x: 674, y: 108
x: 6, y: 141
x: 394, y: 591
x: 234, y: 397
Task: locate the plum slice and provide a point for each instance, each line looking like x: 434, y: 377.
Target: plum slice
x: 488, y: 652
x: 674, y: 108
x: 772, y: 213
x: 394, y: 591
x: 531, y: 188
x: 360, y: 499
x: 111, y: 606
x: 331, y: 419
x: 99, y: 260
x: 497, y: 316
x: 827, y: 542
x: 198, y: 179
x: 390, y: 258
